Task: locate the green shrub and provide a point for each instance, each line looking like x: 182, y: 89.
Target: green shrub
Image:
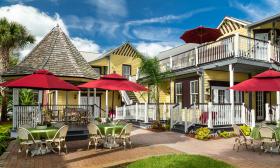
x: 4, y: 137
x: 202, y: 133
x: 225, y: 134
x: 246, y: 130
x: 167, y: 124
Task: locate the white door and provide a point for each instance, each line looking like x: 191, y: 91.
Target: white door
x: 260, y: 106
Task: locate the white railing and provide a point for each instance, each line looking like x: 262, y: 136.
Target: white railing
x: 125, y: 97
x: 218, y: 50
x: 26, y: 115
x: 272, y: 112
x: 176, y: 115
x: 253, y: 48
x: 210, y: 115
x: 143, y: 111
x: 228, y: 47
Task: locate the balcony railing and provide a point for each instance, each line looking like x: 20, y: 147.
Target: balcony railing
x: 228, y: 47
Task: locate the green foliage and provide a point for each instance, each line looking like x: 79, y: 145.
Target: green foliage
x: 225, y: 134
x: 246, y: 130
x: 167, y: 124
x: 26, y: 97
x: 98, y: 119
x: 179, y: 161
x: 202, y: 133
x: 4, y: 137
x: 157, y: 125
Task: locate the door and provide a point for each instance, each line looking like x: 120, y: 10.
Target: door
x: 260, y: 106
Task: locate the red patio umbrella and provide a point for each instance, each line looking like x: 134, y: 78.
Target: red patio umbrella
x: 266, y: 81
x: 42, y: 80
x: 201, y: 35
x: 114, y: 82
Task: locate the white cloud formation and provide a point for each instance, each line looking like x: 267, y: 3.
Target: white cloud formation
x: 257, y: 11
x: 153, y: 49
x: 161, y: 19
x: 39, y: 24
x: 109, y: 8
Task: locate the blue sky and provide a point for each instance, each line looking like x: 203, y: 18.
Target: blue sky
x: 151, y: 25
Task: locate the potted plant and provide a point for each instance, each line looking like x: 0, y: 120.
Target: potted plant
x: 41, y: 126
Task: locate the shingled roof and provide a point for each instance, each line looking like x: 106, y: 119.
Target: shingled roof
x: 57, y: 54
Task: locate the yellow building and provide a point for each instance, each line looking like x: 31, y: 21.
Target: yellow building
x: 203, y: 73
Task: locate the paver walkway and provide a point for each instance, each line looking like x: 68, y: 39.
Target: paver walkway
x: 146, y: 144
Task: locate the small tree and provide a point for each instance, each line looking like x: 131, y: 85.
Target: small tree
x: 12, y: 36
x: 150, y: 67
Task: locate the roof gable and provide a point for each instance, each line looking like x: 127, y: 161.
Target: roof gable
x: 230, y: 24
x: 125, y: 49
x: 57, y: 54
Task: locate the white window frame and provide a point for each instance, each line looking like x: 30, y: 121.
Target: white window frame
x: 126, y: 73
x: 195, y: 94
x: 178, y: 94
x: 238, y: 95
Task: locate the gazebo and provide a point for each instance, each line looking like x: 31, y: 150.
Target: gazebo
x: 55, y: 53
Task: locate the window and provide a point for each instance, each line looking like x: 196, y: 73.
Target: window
x: 126, y: 69
x: 194, y: 91
x: 105, y: 70
x: 178, y: 93
x: 221, y: 96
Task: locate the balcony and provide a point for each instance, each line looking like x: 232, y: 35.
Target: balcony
x: 229, y: 47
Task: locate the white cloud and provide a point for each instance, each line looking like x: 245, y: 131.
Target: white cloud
x: 153, y: 49
x: 110, y: 8
x: 39, y: 24
x: 257, y: 11
x: 161, y: 19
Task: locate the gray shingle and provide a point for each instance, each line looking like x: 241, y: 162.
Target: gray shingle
x: 57, y: 54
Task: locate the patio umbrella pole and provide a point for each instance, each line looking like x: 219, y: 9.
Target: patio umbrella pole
x: 112, y: 108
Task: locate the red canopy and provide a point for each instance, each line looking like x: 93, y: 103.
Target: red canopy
x: 201, y: 35
x: 266, y: 81
x: 40, y: 79
x: 114, y: 82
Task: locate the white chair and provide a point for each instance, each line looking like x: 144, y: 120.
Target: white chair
x: 26, y: 140
x: 59, y: 139
x: 124, y: 136
x: 94, y: 135
x: 267, y: 138
x: 27, y: 126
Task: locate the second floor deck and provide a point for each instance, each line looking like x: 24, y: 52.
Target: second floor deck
x: 234, y: 46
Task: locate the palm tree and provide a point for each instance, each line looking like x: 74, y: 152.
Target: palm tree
x: 150, y: 68
x: 12, y: 36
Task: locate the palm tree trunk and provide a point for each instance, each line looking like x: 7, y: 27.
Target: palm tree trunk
x: 157, y: 104
x: 4, y: 63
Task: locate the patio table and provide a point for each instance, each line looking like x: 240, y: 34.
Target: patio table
x: 109, y: 130
x: 255, y: 133
x: 47, y: 133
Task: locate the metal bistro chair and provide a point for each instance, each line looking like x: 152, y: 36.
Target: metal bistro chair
x: 241, y: 138
x: 267, y: 138
x: 26, y: 140
x: 58, y: 124
x: 59, y: 139
x: 94, y: 135
x: 124, y: 136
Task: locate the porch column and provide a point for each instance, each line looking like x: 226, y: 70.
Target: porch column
x: 15, y: 103
x: 94, y: 103
x: 231, y: 92
x: 40, y: 103
x: 277, y: 117
x: 106, y: 104
x: 88, y: 95
x: 56, y: 98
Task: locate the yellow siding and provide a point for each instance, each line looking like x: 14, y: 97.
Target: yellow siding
x: 101, y: 62
x: 117, y: 100
x: 116, y: 62
x: 72, y: 98
x: 241, y: 31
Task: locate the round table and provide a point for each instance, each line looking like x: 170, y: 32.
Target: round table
x: 110, y: 129
x: 47, y: 133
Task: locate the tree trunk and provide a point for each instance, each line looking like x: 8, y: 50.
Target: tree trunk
x: 157, y: 104
x: 4, y: 63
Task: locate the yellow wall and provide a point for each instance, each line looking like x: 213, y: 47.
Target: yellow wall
x: 117, y: 100
x: 72, y: 98
x: 116, y: 62
x: 101, y: 62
